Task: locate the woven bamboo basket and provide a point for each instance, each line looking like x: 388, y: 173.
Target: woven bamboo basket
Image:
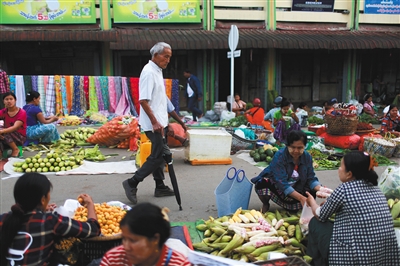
x: 341, y: 125
x: 239, y: 143
x: 379, y: 146
x: 396, y: 152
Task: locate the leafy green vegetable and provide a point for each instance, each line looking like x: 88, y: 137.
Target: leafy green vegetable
x: 315, y: 120
x: 368, y: 119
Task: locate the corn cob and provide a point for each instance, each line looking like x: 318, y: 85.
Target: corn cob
x: 218, y: 246
x: 298, y: 233
x: 226, y: 238
x: 291, y: 230
x: 292, y: 219
x: 390, y: 203
x: 250, y: 217
x: 244, y: 218
x: 218, y: 230
x: 278, y: 215
x: 236, y: 219
x: 245, y: 249
x: 201, y: 227
x: 395, y: 211
x: 263, y: 249
x: 236, y: 241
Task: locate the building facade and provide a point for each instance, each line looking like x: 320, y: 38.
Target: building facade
x: 305, y: 50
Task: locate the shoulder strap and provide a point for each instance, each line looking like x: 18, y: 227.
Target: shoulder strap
x: 168, y: 257
x: 256, y: 110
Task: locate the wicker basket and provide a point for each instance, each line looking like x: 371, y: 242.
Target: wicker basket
x: 239, y: 143
x: 341, y: 125
x: 96, y: 247
x: 396, y: 152
x: 379, y: 146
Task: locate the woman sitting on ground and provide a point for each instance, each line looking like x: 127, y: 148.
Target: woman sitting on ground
x: 289, y: 176
x: 369, y: 106
x: 362, y: 232
x: 283, y: 122
x: 27, y: 233
x: 39, y: 128
x: 391, y: 121
x: 238, y: 106
x: 14, y: 132
x: 144, y: 233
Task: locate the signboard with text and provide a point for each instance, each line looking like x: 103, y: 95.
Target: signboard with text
x: 313, y: 6
x: 157, y: 11
x: 47, y: 12
x: 382, y: 7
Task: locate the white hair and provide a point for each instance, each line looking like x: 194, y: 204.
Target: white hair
x: 159, y: 47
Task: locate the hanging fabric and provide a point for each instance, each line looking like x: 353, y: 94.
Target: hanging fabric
x: 50, y: 97
x: 99, y: 94
x: 34, y: 83
x: 86, y: 91
x: 57, y: 86
x: 40, y: 88
x: 129, y: 97
x: 104, y: 92
x: 118, y: 88
x: 20, y: 91
x: 76, y: 105
x: 135, y: 93
x: 168, y: 87
x: 12, y: 83
x: 93, y: 101
x: 112, y: 93
x: 175, y: 95
x: 27, y: 83
x: 70, y: 91
x: 64, y: 94
x: 123, y: 105
x: 82, y: 98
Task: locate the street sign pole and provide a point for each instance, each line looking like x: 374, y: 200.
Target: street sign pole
x: 233, y: 40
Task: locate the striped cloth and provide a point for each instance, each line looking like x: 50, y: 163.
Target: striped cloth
x: 76, y: 104
x: 82, y: 98
x: 118, y: 88
x: 27, y: 83
x: 50, y: 97
x: 40, y: 88
x: 69, y: 91
x: 93, y: 102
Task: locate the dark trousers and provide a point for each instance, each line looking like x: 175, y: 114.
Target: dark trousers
x: 155, y: 162
x: 192, y: 106
x: 319, y: 238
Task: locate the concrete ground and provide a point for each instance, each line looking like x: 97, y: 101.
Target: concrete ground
x: 196, y: 185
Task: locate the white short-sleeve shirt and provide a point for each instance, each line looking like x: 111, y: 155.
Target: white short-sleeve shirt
x: 152, y: 88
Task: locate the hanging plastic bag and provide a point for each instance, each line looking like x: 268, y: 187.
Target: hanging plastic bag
x: 305, y: 218
x: 389, y: 182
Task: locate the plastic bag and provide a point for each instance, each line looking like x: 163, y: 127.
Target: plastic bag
x: 226, y: 115
x: 389, y: 182
x: 305, y: 218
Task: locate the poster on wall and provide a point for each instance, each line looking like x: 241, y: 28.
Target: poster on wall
x: 382, y: 7
x: 313, y: 5
x: 47, y: 12
x: 156, y: 11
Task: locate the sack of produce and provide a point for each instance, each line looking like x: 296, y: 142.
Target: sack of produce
x: 389, y: 182
x: 344, y: 142
x: 115, y: 131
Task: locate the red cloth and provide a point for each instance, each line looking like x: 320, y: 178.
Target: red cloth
x: 86, y: 91
x: 351, y: 142
x: 135, y: 93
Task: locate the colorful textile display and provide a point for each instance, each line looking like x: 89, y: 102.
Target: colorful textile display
x: 62, y: 94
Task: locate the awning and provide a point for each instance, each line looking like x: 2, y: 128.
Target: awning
x: 10, y: 34
x: 144, y: 39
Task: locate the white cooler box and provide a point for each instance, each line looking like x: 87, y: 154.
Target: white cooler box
x: 209, y: 146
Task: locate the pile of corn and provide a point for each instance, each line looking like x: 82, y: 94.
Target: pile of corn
x: 248, y: 235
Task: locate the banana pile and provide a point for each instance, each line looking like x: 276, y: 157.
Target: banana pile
x: 77, y: 136
x: 249, y: 236
x: 394, y: 206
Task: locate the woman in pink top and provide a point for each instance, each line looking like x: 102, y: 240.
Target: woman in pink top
x: 13, y: 134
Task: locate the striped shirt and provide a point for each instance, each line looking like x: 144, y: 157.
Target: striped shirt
x: 117, y: 257
x: 44, y: 227
x: 388, y: 124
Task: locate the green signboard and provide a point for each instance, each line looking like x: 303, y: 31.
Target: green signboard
x: 156, y: 11
x: 47, y: 12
